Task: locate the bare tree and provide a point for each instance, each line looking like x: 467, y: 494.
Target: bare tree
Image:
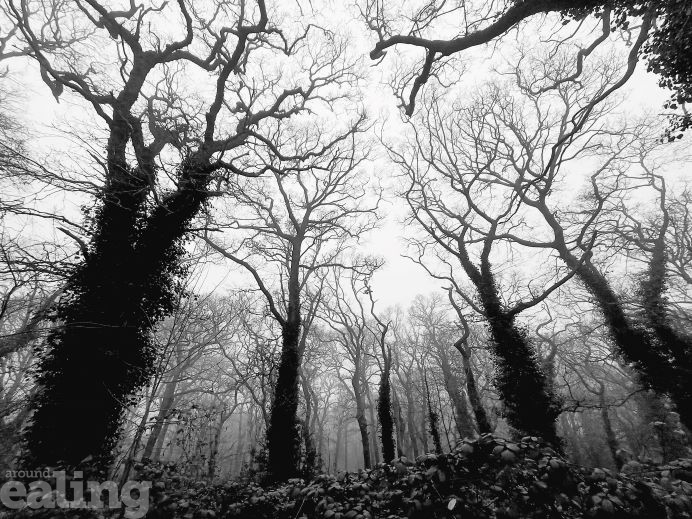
x: 346, y: 314
x: 437, y: 330
x: 462, y: 345
x: 445, y: 201
x: 320, y: 212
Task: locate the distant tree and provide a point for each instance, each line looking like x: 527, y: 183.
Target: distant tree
x: 194, y: 331
x: 437, y: 330
x: 345, y: 313
x: 406, y: 361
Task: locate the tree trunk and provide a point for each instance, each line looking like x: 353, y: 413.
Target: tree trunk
x: 214, y: 444
x: 529, y: 406
x: 240, y: 446
x: 472, y: 390
x: 160, y: 441
x: 445, y: 427
x: 384, y: 413
x: 167, y: 402
x: 637, y: 347
x: 364, y: 438
x: 283, y: 440
x: 433, y: 422
x: 308, y: 437
x: 320, y: 442
x: 362, y: 421
x: 402, y: 449
x: 461, y: 412
x: 411, y: 419
x: 666, y: 426
x: 346, y: 447
x: 374, y: 447
x: 136, y: 441
x: 337, y: 447
x: 611, y: 439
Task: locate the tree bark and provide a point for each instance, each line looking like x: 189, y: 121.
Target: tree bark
x: 283, y: 440
x: 636, y: 346
x: 161, y: 440
x: 214, y: 444
x: 337, y: 447
x: 240, y: 447
x: 433, y: 422
x: 384, y: 413
x: 308, y: 437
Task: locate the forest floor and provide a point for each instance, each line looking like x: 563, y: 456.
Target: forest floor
x: 486, y: 478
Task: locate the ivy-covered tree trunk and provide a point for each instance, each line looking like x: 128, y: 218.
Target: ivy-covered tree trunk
x: 666, y: 425
x: 400, y: 425
x: 674, y: 346
x: 214, y: 448
x: 283, y: 438
x: 385, y: 417
x: 530, y: 405
x: 283, y: 435
x: 650, y: 353
x: 100, y: 352
x: 433, y: 421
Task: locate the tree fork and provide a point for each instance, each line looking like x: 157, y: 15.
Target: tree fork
x: 101, y: 353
